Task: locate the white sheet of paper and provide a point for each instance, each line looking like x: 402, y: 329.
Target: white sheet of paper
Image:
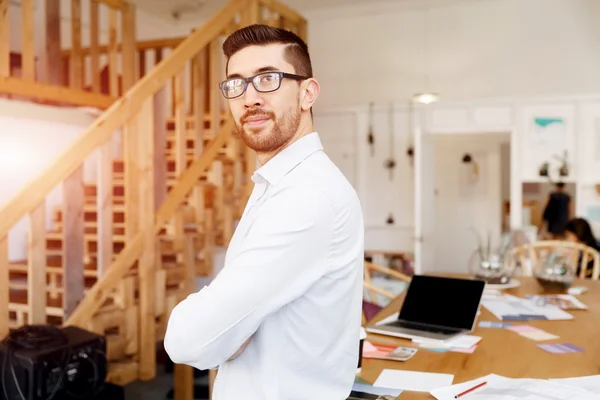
x: 391, y: 318
x: 462, y: 341
x: 591, y: 382
x: 412, y: 380
x: 499, y: 387
x: 511, y: 305
x: 448, y: 392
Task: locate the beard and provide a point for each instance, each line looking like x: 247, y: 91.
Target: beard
x: 264, y: 139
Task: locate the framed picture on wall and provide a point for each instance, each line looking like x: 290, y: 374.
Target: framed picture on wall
x: 548, y: 130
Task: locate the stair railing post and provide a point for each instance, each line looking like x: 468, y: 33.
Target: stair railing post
x: 150, y: 257
x: 4, y: 39
x: 4, y: 292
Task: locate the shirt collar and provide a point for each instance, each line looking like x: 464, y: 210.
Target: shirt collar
x: 284, y: 161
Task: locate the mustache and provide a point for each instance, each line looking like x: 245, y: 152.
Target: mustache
x: 257, y: 113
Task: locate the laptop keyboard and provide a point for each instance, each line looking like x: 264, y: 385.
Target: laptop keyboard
x: 426, y: 328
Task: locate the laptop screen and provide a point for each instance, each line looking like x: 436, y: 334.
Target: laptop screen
x: 446, y: 302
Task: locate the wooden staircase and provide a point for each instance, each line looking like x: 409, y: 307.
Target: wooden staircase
x: 125, y: 248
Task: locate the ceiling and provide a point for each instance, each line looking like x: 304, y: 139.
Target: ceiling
x: 198, y: 10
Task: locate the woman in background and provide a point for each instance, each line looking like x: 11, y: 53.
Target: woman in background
x: 578, y: 230
x: 558, y: 210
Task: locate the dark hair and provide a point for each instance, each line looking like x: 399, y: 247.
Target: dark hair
x: 582, y: 229
x: 560, y: 185
x: 296, y: 51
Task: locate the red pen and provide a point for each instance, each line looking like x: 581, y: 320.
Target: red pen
x: 469, y: 390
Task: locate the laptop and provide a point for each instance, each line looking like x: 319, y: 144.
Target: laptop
x: 436, y: 308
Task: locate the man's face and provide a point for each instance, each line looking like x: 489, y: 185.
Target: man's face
x: 266, y: 121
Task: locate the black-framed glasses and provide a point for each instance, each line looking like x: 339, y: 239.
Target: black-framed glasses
x: 264, y: 82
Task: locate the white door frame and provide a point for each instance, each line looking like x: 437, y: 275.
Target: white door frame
x: 516, y: 194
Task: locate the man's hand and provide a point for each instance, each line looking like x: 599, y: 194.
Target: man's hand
x: 240, y: 350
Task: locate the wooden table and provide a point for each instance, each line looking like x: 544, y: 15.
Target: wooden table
x: 502, y: 351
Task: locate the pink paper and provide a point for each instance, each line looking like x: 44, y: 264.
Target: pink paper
x: 523, y: 328
x: 468, y: 351
x: 368, y: 347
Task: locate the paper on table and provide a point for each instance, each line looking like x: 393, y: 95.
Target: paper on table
x: 461, y: 350
x: 499, y: 387
x: 412, y: 380
x: 539, y: 335
x: 448, y: 392
x: 368, y: 347
x: 591, y: 382
x: 462, y: 341
x: 532, y: 332
x: 514, y: 308
x: 564, y: 301
x: 391, y: 318
x: 379, y: 391
x: 577, y: 290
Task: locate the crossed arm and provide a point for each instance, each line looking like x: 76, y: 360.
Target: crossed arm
x: 283, y: 254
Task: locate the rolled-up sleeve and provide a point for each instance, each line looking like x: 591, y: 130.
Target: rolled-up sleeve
x: 284, y: 252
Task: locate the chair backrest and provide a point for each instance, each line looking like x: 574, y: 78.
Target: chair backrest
x: 370, y: 306
x: 529, y: 254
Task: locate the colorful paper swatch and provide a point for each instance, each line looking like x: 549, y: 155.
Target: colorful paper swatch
x: 387, y: 352
x: 532, y: 333
x: 492, y: 324
x: 560, y: 348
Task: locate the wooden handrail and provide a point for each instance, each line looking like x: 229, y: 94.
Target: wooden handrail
x: 58, y: 94
x: 141, y: 45
x: 115, y: 4
x: 123, y: 110
x: 119, y: 268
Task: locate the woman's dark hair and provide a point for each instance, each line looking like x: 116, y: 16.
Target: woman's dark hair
x: 296, y: 51
x: 582, y: 229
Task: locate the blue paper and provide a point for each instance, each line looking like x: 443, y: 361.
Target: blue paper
x: 492, y: 324
x: 379, y: 391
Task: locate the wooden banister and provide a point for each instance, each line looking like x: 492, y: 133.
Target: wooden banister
x: 131, y: 252
x: 115, y: 4
x: 114, y: 118
x: 169, y: 43
x: 44, y: 91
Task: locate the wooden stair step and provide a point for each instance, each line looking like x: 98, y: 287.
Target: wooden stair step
x: 18, y: 303
x: 115, y: 347
x: 190, y: 136
x: 20, y: 283
x: 89, y: 237
x: 52, y: 266
x: 122, y: 373
x: 190, y: 120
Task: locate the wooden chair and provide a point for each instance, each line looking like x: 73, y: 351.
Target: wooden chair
x: 529, y: 254
x: 371, y: 307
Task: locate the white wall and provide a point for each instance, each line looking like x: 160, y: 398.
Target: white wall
x: 344, y: 136
x: 31, y: 137
x: 465, y: 206
x: 486, y: 48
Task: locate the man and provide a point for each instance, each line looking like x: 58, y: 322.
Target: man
x: 557, y: 212
x: 282, y: 319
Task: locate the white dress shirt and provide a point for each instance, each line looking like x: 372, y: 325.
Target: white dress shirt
x: 292, y: 283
